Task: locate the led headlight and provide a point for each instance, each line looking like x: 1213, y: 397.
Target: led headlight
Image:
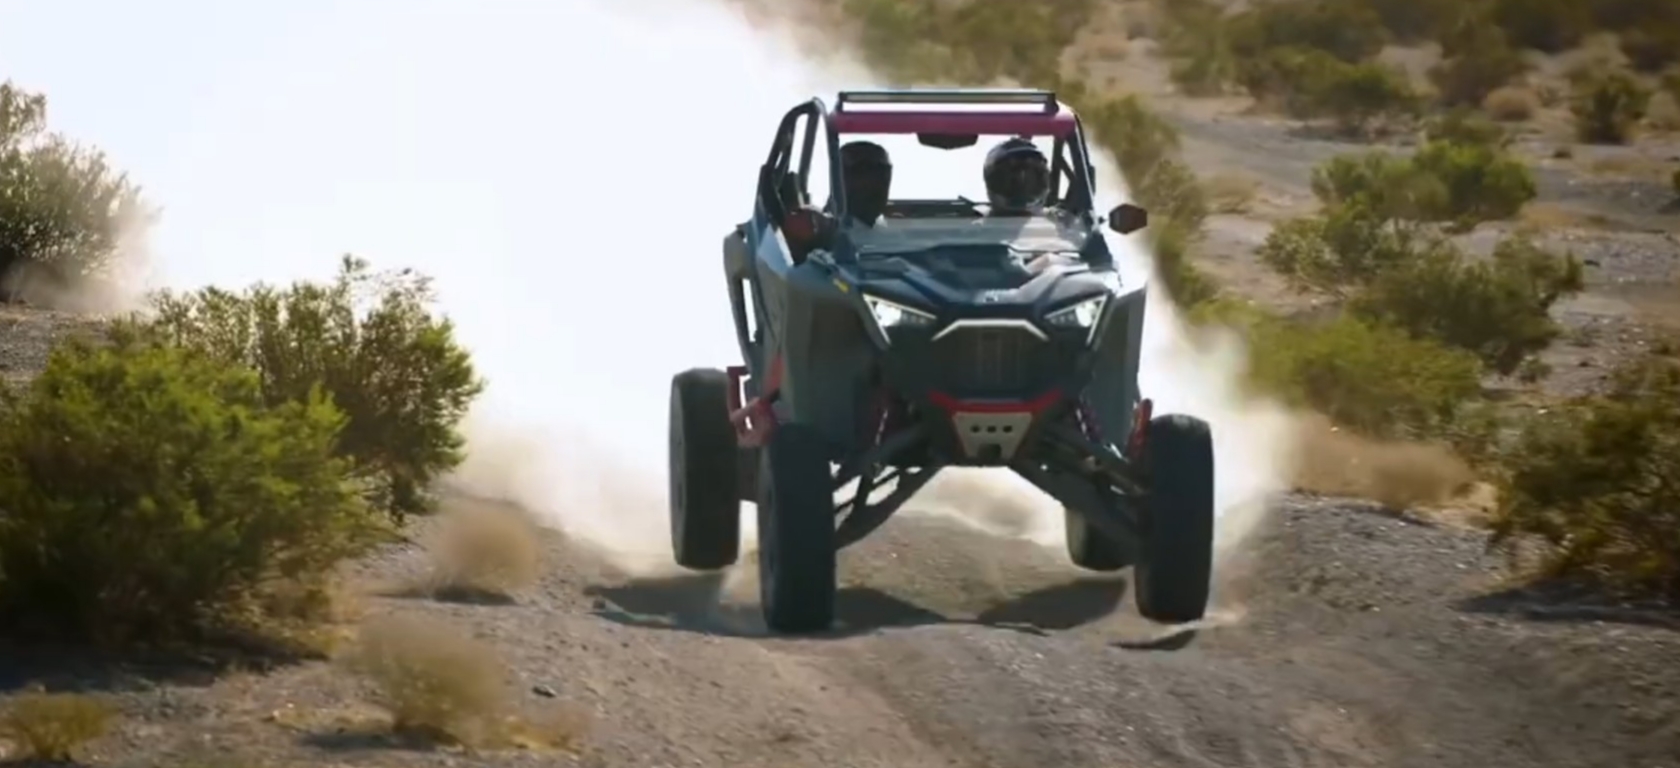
x: 889, y: 315
x: 1082, y: 315
x: 892, y: 315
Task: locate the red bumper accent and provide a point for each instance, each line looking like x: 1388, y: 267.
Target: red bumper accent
x: 754, y: 421
x: 1141, y: 415
x: 1033, y: 406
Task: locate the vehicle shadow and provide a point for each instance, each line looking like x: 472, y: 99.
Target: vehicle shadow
x: 696, y: 603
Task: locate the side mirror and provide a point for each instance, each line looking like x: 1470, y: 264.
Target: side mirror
x: 1127, y: 218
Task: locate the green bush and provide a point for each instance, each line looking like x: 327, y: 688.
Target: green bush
x: 62, y: 209
x: 1598, y: 483
x: 1356, y: 94
x: 1351, y: 32
x: 1340, y: 251
x: 150, y: 493
x: 1479, y: 60
x: 1308, y: 83
x: 369, y: 342
x: 1198, y: 45
x: 1466, y: 126
x: 1481, y: 182
x: 1368, y: 247
x: 1651, y: 49
x: 1608, y: 106
x: 1552, y: 26
x: 1364, y: 376
x: 972, y: 42
x: 1414, y: 21
x: 1444, y: 181
x: 1381, y: 184
x: 1497, y: 309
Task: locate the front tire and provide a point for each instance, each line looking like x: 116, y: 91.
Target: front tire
x: 704, y: 492
x: 1174, y: 574
x: 797, y: 556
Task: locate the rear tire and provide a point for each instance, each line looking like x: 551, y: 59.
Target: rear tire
x: 1090, y: 548
x: 1174, y: 573
x: 797, y: 560
x: 704, y: 492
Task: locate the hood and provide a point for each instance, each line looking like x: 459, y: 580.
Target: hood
x: 1032, y: 235
x: 992, y: 279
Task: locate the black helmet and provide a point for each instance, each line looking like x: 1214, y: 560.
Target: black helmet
x: 1017, y: 177
x: 867, y: 171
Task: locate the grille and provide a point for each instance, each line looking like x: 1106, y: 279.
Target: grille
x: 993, y: 362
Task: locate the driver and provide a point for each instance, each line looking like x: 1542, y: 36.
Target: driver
x: 1017, y: 178
x: 866, y: 171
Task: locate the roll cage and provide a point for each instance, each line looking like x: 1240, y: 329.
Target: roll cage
x: 783, y: 189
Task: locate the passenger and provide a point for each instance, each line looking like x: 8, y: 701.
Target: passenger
x: 867, y: 172
x: 1017, y: 178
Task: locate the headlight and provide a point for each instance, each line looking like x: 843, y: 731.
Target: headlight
x: 1085, y: 315
x: 890, y: 315
x: 1081, y: 315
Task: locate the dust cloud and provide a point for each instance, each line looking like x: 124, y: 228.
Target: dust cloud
x: 565, y: 172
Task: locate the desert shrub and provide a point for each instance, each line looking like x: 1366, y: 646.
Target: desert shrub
x: 366, y: 340
x: 150, y: 492
x: 1608, y: 106
x: 1350, y: 32
x: 435, y: 681
x: 50, y: 727
x: 1308, y: 83
x: 1465, y: 126
x: 1669, y: 83
x: 1377, y: 380
x: 1481, y: 182
x: 1444, y: 181
x: 1338, y: 252
x: 1356, y: 94
x: 1650, y: 49
x: 443, y: 685
x: 63, y: 209
x: 1367, y: 248
x: 483, y: 555
x: 1510, y: 104
x: 973, y: 42
x: 1479, y: 59
x: 1546, y: 25
x: 1198, y: 45
x: 1598, y: 483
x: 1413, y: 21
x: 1628, y: 14
x: 1497, y: 308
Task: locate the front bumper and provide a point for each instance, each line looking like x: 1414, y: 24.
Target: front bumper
x: 986, y: 385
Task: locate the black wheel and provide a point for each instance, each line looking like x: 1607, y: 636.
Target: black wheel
x: 1090, y: 548
x: 705, y: 493
x: 1174, y: 572
x: 796, y: 543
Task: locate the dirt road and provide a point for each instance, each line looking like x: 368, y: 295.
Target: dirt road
x: 1348, y: 637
